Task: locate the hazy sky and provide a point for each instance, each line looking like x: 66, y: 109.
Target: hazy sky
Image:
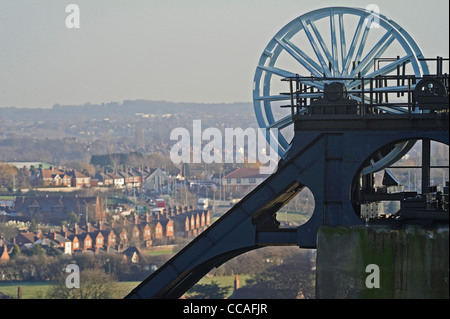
x: 174, y: 50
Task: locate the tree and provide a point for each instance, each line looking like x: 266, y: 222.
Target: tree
x: 8, y: 231
x: 52, y: 251
x: 208, y: 291
x: 15, y: 251
x: 35, y: 250
x: 292, y: 279
x: 7, y: 175
x: 33, y: 226
x: 73, y: 218
x: 94, y: 284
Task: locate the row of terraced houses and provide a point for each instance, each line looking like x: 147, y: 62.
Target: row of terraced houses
x: 150, y: 179
x: 138, y: 230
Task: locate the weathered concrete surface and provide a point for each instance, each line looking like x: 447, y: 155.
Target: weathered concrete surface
x: 413, y: 262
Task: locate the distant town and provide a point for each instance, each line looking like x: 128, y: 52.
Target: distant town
x: 95, y: 185
x: 102, y: 184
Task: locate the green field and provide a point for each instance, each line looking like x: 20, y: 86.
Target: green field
x: 30, y: 290
x: 38, y: 290
x: 294, y: 218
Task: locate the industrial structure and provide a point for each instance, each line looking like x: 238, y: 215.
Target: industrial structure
x: 350, y: 93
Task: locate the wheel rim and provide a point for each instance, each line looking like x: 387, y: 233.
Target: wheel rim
x: 335, y: 37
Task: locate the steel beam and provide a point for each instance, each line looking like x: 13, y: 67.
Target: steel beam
x: 326, y: 161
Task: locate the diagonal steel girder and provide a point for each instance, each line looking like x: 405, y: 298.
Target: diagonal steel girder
x: 327, y: 161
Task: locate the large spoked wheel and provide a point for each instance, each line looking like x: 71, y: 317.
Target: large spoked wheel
x: 340, y: 43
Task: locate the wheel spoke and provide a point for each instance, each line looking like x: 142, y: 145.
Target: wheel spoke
x: 390, y: 67
x: 282, y: 123
x: 342, y: 38
x: 286, y: 74
x: 387, y: 109
x: 362, y: 44
x: 273, y: 98
x: 321, y: 41
x: 303, y: 55
x: 377, y: 55
x: 277, y: 71
x: 334, y: 54
x: 316, y: 84
x: 316, y: 49
x: 376, y: 52
x: 402, y: 88
x: 352, y: 48
x: 299, y: 55
x: 382, y: 71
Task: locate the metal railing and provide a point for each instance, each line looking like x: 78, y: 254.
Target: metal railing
x: 393, y: 94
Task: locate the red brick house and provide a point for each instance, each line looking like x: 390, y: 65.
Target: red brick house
x: 51, y: 177
x: 26, y: 239
x: 159, y: 230
x: 85, y: 241
x: 111, y: 238
x: 98, y: 239
x: 54, y: 209
x: 135, y: 234
x: 79, y: 179
x: 168, y: 227
x: 146, y: 233
x: 202, y: 220
x: 75, y: 242
x: 123, y: 237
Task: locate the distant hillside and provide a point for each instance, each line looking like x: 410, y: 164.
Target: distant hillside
x: 128, y: 107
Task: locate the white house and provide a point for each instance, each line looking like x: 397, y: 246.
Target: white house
x: 242, y: 181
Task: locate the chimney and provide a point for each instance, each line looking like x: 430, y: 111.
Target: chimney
x: 89, y: 228
x: 157, y: 215
x: 136, y: 219
x: 64, y: 231
x: 54, y: 235
x: 147, y: 217
x: 77, y: 230
x: 100, y: 225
